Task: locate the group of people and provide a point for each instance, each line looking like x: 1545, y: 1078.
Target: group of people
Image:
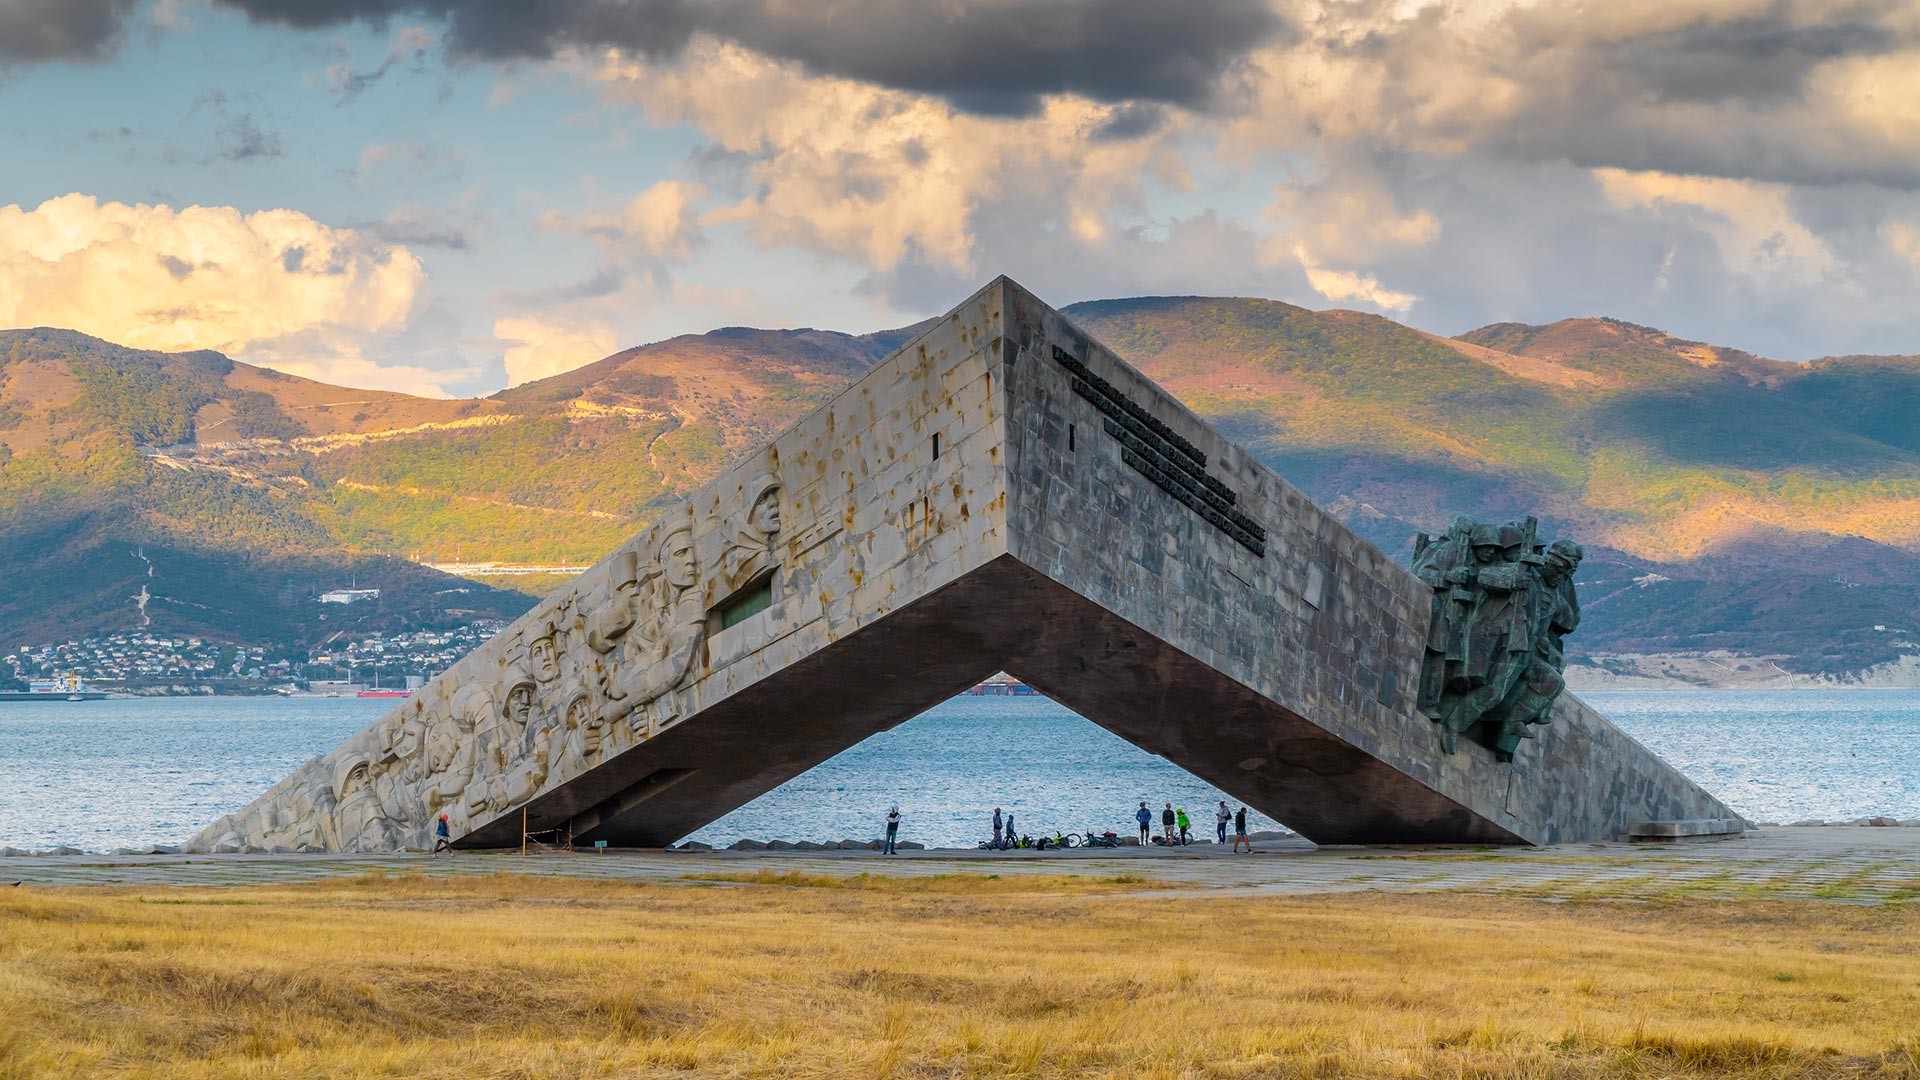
x: 1005, y: 836
x: 1177, y: 827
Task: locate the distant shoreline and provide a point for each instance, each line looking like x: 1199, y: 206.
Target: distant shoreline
x: 1727, y: 671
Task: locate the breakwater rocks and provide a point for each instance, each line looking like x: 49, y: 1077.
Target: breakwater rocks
x: 802, y: 845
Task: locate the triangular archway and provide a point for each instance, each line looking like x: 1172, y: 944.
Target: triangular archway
x: 1002, y: 493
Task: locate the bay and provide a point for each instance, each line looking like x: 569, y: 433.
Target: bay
x: 104, y: 774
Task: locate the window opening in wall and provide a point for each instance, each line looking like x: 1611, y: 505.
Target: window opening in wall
x: 1069, y: 436
x: 748, y: 602
x: 936, y: 447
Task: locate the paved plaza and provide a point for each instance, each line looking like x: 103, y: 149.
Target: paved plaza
x: 1836, y: 864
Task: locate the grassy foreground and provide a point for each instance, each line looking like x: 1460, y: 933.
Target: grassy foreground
x: 963, y: 975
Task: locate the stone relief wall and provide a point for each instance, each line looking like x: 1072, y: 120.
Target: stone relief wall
x: 595, y: 669
x: 891, y: 490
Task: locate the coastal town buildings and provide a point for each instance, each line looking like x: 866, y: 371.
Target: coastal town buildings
x: 144, y: 662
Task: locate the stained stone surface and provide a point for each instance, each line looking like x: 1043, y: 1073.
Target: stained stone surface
x: 1001, y: 494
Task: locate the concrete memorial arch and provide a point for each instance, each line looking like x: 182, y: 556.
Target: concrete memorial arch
x: 1002, y: 493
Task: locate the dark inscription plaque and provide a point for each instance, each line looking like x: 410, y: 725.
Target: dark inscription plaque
x: 1163, y: 456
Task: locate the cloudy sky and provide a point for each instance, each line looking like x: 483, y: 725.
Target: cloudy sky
x: 450, y: 196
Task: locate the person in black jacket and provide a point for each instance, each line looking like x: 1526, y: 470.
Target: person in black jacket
x: 1240, y: 832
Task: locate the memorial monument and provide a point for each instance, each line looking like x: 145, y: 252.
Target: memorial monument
x: 1005, y: 494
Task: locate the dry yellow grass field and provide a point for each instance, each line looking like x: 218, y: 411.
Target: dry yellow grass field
x: 964, y: 975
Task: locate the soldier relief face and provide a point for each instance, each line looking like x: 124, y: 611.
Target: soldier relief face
x: 1563, y: 558
x: 546, y: 660
x: 676, y: 557
x: 520, y: 705
x: 765, y: 515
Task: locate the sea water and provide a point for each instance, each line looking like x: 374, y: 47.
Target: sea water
x: 104, y: 774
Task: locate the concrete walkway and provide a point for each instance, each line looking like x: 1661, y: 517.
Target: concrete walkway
x: 1855, y: 865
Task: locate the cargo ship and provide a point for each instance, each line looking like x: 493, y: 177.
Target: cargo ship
x: 62, y: 687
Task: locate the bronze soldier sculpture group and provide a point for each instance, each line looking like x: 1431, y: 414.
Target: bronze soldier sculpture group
x: 1503, y: 605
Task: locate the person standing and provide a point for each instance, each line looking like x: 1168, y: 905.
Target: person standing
x: 996, y: 828
x: 1186, y: 825
x: 1240, y: 832
x: 893, y: 829
x: 1013, y: 837
x: 1145, y: 817
x: 1222, y: 817
x: 441, y: 840
x: 1166, y: 824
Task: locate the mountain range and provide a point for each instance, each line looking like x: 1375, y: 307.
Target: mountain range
x: 1745, y: 518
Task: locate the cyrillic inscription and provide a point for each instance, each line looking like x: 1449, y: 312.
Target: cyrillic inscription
x: 1163, y: 456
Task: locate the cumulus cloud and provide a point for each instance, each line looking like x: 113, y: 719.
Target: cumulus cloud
x: 1347, y: 285
x: 1752, y: 222
x: 1738, y: 170
x: 1800, y: 91
x: 1742, y: 170
x: 537, y: 347
x: 1348, y: 214
x: 661, y: 223
x: 904, y: 181
x: 271, y: 285
x: 932, y: 198
x: 1903, y: 240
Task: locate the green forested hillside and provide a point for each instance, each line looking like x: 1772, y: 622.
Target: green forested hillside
x: 251, y: 492
x: 1730, y: 501
x: 98, y: 531
x: 1877, y: 397
x: 1734, y: 502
